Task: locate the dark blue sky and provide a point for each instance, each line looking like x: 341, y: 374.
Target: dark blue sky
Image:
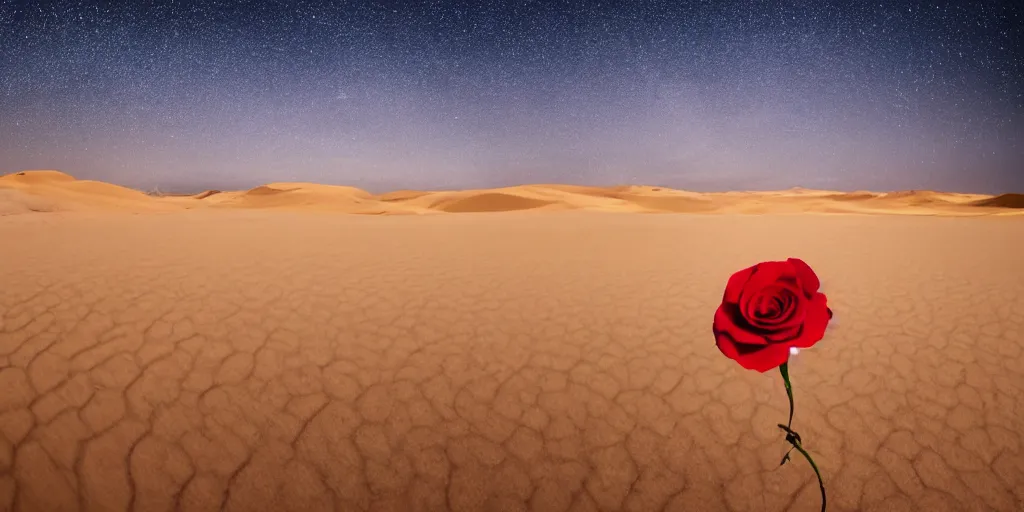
x: 708, y: 95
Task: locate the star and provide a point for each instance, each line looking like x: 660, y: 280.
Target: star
x: 682, y: 93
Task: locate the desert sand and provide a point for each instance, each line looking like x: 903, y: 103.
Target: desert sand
x: 54, y: 191
x: 257, y: 350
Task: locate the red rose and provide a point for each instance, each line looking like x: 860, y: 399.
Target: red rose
x: 768, y: 309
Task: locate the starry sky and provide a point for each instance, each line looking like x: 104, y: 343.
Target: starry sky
x: 707, y: 95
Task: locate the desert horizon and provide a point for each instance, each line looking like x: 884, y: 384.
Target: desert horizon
x: 52, y: 191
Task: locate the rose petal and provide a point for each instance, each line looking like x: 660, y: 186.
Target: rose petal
x: 726, y: 344
x: 791, y: 316
x: 816, y: 320
x: 808, y: 279
x: 797, y: 315
x: 763, y: 358
x: 725, y: 321
x: 784, y: 335
x: 765, y: 309
x: 735, y: 285
x: 752, y: 357
x: 767, y: 274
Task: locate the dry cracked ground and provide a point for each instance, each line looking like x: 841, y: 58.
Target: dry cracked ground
x: 272, y: 361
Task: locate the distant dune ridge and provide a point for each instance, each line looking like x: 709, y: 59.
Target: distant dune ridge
x: 55, y: 191
x: 206, y: 193
x: 1002, y: 201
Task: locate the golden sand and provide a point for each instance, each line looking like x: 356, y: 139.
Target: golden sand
x: 51, y: 191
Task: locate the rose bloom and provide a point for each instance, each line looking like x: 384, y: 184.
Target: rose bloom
x: 768, y: 309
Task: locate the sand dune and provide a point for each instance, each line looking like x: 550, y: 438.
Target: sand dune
x: 14, y: 201
x: 206, y: 193
x: 37, y: 177
x: 265, y: 190
x: 491, y: 202
x: 308, y: 196
x: 1002, y: 201
x: 401, y: 195
x: 859, y: 195
x: 322, y: 189
x: 53, y: 191
x: 56, y: 191
x: 920, y: 197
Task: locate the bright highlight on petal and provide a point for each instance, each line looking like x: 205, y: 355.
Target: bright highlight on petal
x: 793, y: 351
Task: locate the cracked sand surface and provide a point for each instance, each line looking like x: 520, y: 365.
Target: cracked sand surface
x: 537, y: 361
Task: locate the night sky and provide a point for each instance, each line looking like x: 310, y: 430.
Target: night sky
x: 710, y: 95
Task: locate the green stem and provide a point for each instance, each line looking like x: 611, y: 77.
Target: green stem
x: 789, y: 391
x: 794, y: 439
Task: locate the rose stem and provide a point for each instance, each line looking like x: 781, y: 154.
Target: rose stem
x: 791, y: 436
